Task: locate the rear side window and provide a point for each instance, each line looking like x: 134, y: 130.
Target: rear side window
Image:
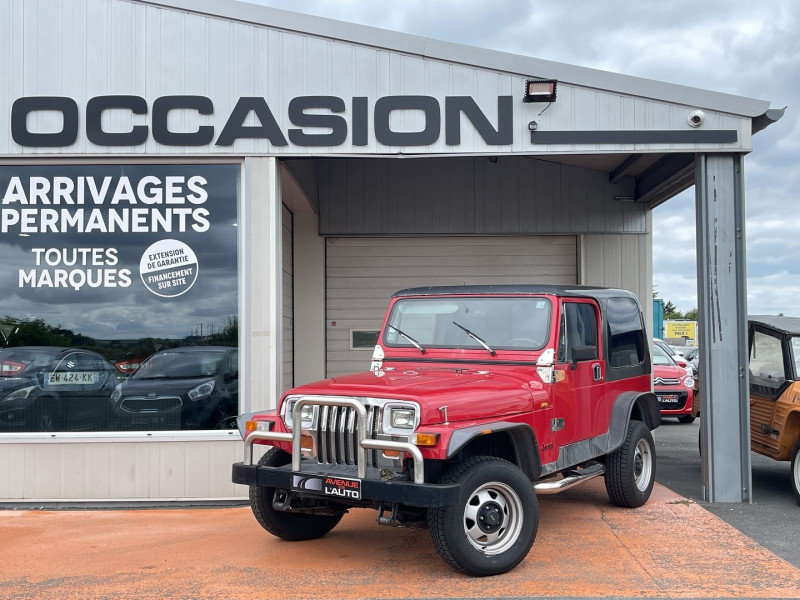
x: 626, y: 333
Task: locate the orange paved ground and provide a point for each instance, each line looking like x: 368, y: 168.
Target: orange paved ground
x: 585, y: 547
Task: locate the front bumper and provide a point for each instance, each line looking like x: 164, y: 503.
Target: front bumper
x: 425, y: 495
x: 372, y: 487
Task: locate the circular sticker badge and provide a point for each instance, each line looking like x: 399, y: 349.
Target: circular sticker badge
x: 168, y: 268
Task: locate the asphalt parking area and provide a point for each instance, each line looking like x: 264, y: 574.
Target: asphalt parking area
x: 586, y: 547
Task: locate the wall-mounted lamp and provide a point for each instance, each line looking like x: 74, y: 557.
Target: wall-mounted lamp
x: 540, y: 90
x: 624, y: 198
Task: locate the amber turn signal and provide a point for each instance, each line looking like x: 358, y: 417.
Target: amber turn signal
x: 427, y: 439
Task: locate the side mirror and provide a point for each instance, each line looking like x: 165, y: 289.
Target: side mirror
x: 582, y: 353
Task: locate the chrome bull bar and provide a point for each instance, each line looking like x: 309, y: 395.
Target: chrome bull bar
x: 364, y: 443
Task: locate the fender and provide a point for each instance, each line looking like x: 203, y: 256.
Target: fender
x: 642, y: 406
x: 521, y: 435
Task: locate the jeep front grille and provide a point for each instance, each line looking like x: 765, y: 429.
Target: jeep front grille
x: 336, y: 436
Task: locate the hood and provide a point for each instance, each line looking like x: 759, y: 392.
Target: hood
x: 467, y: 393
x: 161, y: 386
x: 668, y: 372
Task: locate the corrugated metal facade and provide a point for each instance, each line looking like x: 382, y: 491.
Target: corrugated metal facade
x: 363, y: 273
x: 504, y: 195
x: 84, y: 48
x: 288, y: 300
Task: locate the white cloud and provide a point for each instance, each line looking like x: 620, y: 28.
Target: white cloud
x: 732, y: 46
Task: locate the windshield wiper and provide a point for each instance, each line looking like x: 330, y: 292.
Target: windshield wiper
x: 476, y: 338
x: 414, y: 342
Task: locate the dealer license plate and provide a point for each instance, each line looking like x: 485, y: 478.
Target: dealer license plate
x: 72, y: 378
x: 340, y: 487
x: 671, y: 399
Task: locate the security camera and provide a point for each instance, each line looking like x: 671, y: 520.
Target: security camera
x: 696, y: 118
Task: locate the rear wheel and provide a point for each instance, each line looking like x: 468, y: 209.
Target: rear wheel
x: 796, y: 471
x: 631, y: 468
x: 492, y: 527
x: 282, y: 524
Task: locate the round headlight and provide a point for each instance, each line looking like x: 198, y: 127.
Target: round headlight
x: 688, y: 382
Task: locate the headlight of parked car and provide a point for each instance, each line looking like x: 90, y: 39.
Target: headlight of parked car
x: 688, y: 382
x: 20, y: 394
x: 400, y: 419
x: 117, y: 393
x: 201, y: 391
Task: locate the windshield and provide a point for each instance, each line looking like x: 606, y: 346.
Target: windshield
x: 180, y: 365
x: 660, y: 357
x: 500, y: 323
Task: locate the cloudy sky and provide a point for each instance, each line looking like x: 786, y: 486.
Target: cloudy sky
x: 734, y: 46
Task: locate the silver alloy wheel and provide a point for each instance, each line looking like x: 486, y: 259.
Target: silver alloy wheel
x: 493, y: 518
x: 642, y: 465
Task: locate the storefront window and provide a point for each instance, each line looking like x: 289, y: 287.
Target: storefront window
x: 118, y: 297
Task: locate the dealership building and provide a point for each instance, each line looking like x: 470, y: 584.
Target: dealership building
x: 209, y: 172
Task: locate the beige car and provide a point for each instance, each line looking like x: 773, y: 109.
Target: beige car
x: 774, y: 344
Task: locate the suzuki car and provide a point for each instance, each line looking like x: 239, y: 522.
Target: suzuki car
x: 50, y: 388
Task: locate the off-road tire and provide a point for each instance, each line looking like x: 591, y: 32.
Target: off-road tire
x: 796, y: 471
x: 282, y: 524
x: 686, y: 419
x: 492, y: 527
x: 631, y: 468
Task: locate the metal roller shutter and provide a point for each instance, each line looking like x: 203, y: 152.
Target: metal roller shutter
x: 363, y: 273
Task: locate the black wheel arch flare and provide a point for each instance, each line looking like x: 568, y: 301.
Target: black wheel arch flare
x: 523, y: 444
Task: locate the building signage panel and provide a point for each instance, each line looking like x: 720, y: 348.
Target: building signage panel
x: 318, y: 121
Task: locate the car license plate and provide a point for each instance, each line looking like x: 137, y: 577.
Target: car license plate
x: 671, y: 399
x: 72, y: 378
x: 340, y: 487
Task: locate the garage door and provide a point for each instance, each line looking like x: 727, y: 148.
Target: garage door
x: 363, y: 273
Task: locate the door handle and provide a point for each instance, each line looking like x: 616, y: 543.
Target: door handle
x: 597, y: 372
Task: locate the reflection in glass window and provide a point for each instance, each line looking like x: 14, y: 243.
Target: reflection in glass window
x: 626, y: 331
x: 108, y: 265
x: 502, y: 323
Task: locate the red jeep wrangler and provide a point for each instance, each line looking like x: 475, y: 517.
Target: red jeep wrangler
x: 479, y: 397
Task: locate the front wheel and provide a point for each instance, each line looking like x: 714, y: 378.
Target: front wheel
x: 686, y: 419
x: 287, y: 526
x: 631, y: 468
x: 796, y: 471
x: 492, y: 527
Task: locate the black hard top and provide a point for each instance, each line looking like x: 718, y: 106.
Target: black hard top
x: 575, y: 291
x: 788, y: 325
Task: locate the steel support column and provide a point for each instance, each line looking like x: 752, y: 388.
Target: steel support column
x: 722, y: 304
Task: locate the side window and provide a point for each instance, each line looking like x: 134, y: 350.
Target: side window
x: 578, y: 328
x: 766, y: 362
x: 626, y: 333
